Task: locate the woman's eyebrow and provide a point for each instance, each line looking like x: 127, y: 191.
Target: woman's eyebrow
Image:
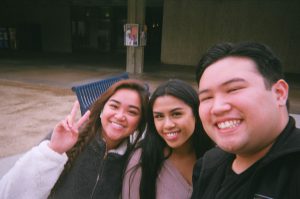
x: 116, y: 101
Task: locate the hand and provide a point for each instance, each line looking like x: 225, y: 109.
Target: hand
x: 65, y: 133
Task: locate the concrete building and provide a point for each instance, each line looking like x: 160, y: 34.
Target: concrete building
x: 178, y: 31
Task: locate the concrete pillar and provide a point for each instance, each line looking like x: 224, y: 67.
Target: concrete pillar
x: 135, y: 55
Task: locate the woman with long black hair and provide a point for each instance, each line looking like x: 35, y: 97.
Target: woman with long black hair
x: 162, y: 166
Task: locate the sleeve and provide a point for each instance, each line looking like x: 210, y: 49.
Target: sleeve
x: 34, y: 174
x: 132, y: 177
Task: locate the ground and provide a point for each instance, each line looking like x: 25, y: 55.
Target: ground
x: 29, y: 113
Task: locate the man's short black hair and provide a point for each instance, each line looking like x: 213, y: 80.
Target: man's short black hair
x: 267, y: 63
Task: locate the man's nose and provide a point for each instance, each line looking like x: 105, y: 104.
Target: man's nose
x: 220, y: 106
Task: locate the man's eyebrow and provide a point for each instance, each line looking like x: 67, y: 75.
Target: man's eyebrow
x: 203, y: 91
x: 233, y: 80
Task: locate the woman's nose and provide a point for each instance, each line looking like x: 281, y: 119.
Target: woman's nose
x: 120, y: 115
x: 168, y: 123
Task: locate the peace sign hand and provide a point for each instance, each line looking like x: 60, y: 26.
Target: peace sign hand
x: 65, y: 133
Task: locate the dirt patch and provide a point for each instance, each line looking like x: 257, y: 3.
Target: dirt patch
x: 29, y: 113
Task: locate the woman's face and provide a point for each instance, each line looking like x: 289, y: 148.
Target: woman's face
x: 120, y: 116
x: 174, y: 121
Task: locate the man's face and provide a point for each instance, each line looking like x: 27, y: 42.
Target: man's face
x: 238, y: 112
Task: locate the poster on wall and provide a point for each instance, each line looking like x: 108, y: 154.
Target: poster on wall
x: 131, y: 34
x: 143, y: 35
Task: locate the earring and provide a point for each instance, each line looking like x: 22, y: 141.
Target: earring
x: 100, y: 114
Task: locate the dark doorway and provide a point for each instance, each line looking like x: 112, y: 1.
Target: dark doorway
x: 154, y: 33
x: 98, y: 28
x: 29, y: 37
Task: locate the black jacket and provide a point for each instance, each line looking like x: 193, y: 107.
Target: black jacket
x: 93, y: 175
x: 277, y: 175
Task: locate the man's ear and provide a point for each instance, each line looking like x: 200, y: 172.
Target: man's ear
x: 281, y: 91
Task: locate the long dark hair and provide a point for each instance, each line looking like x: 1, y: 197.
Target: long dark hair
x: 152, y: 156
x: 94, y: 127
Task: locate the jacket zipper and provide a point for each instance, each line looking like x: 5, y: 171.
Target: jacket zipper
x: 100, y: 172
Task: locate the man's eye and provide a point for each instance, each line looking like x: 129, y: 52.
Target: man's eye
x: 202, y: 99
x: 234, y: 89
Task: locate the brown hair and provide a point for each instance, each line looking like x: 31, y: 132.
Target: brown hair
x: 94, y: 126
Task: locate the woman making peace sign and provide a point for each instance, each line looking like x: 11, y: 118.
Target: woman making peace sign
x: 84, y: 158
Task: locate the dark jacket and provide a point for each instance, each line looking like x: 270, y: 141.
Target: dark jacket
x: 277, y: 175
x: 93, y: 174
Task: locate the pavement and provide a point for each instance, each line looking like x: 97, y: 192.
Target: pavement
x: 59, y: 72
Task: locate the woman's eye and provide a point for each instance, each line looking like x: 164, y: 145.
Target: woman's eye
x: 113, y: 106
x: 158, y: 116
x: 176, y: 114
x: 133, y: 113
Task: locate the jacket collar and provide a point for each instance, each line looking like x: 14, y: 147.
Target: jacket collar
x: 121, y: 149
x: 99, y: 146
x: 287, y: 142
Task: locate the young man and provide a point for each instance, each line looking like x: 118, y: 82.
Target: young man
x: 244, y: 109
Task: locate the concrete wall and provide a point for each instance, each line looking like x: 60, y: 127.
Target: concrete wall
x: 53, y: 20
x: 192, y: 26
